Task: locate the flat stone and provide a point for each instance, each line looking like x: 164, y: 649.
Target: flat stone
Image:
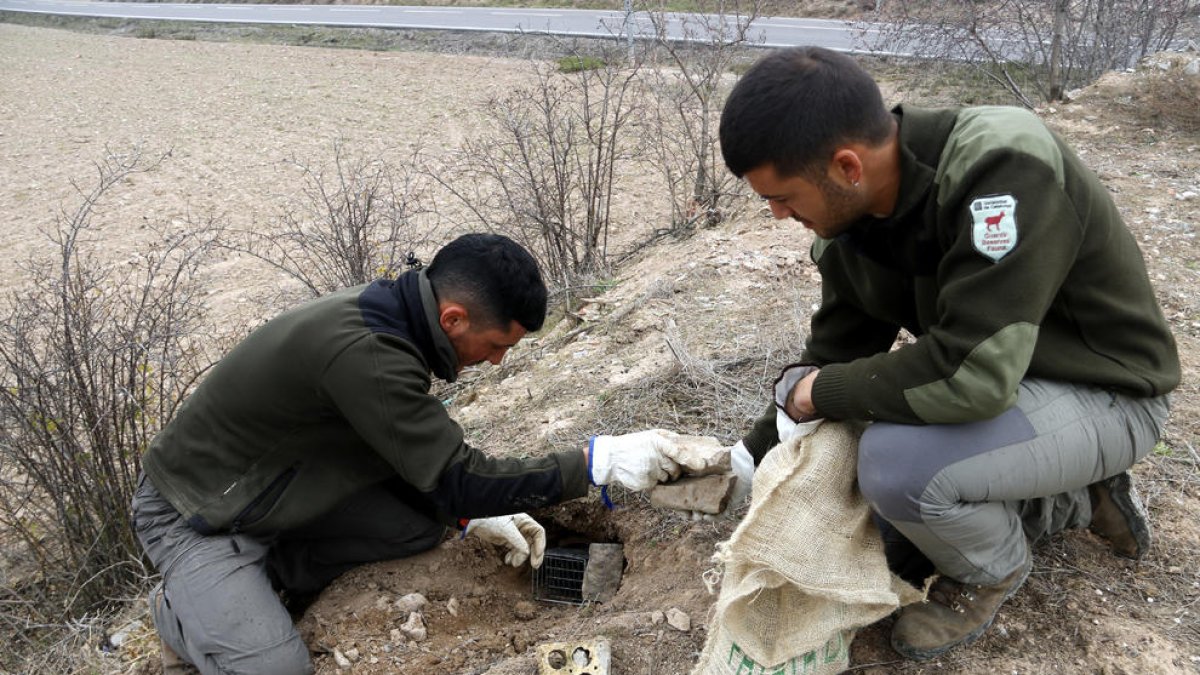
x: 703, y: 455
x: 602, y: 576
x: 706, y: 494
x: 413, y: 602
x: 678, y: 620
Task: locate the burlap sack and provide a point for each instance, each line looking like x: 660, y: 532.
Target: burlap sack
x: 805, y: 568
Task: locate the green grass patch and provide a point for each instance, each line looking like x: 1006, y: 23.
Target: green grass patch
x: 574, y: 64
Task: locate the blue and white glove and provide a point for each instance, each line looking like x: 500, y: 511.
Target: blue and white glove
x: 637, y: 461
x: 521, y: 535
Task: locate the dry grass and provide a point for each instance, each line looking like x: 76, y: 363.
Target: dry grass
x: 1169, y: 97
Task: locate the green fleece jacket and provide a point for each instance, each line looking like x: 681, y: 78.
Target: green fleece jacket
x: 1006, y: 258
x: 332, y: 397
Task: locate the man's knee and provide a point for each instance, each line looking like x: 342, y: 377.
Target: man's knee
x: 885, y: 475
x: 288, y: 657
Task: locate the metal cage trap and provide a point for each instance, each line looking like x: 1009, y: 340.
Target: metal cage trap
x: 560, y: 578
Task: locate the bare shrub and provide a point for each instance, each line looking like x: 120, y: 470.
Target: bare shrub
x: 1169, y: 95
x: 720, y: 396
x: 687, y: 81
x: 544, y: 174
x: 95, y: 359
x: 1034, y: 49
x: 359, y: 220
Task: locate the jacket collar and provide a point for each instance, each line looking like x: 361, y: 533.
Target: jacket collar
x: 443, y: 350
x: 923, y: 134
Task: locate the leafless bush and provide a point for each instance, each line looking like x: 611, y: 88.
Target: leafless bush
x: 354, y: 222
x: 687, y: 81
x: 719, y: 397
x: 94, y: 360
x: 1034, y: 49
x: 1169, y: 95
x: 545, y: 173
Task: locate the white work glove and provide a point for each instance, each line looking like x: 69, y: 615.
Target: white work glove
x: 638, y: 461
x: 521, y: 535
x: 742, y: 463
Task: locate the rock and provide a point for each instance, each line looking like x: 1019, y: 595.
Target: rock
x: 525, y: 610
x: 396, y: 636
x: 413, y: 602
x: 602, y: 576
x: 340, y: 659
x: 352, y: 654
x: 452, y: 606
x: 678, y: 620
x: 702, y: 455
x: 122, y: 634
x: 706, y: 494
x: 414, y: 628
x: 657, y: 617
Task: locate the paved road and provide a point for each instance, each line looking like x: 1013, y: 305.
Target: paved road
x: 767, y: 32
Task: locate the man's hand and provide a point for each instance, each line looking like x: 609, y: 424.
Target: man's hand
x: 637, y: 461
x: 799, y: 405
x: 521, y: 535
x: 742, y: 464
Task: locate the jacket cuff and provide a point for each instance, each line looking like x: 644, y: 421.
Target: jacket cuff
x: 763, y: 435
x: 572, y: 465
x: 831, y: 393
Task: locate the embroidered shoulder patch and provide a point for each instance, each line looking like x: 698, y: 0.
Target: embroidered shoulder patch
x: 995, y: 230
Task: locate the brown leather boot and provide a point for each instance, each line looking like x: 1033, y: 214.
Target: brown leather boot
x: 954, y: 614
x: 172, y: 663
x: 1119, y: 517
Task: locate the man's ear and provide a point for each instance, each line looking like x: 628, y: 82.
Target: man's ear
x: 847, y: 166
x: 454, y: 318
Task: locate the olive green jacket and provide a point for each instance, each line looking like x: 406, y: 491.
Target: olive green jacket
x: 1006, y: 258
x: 332, y: 397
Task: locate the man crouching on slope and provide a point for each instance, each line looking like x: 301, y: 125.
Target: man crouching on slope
x: 315, y: 446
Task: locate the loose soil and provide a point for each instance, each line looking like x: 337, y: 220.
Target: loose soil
x: 687, y: 336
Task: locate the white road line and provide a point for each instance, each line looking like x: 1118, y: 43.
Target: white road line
x: 287, y: 9
x: 430, y: 11
x: 525, y: 14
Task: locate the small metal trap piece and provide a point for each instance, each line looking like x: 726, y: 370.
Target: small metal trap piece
x: 560, y: 578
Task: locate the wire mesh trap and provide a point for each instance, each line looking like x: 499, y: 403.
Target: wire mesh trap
x: 560, y: 578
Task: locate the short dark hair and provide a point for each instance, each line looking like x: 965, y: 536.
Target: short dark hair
x: 795, y: 106
x: 494, y: 277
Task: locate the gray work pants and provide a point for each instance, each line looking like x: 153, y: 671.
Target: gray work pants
x: 220, y: 610
x: 969, y: 496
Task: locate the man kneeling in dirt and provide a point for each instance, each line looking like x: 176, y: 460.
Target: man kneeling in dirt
x: 315, y: 446
x: 1041, y: 364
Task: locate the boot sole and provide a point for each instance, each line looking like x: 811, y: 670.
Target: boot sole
x: 1125, y: 498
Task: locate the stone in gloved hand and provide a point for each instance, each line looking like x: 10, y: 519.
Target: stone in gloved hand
x: 698, y: 455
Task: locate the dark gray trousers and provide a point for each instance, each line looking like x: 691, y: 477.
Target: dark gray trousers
x: 220, y: 610
x: 971, y: 496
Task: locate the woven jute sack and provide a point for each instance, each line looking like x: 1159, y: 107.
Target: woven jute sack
x: 805, y: 568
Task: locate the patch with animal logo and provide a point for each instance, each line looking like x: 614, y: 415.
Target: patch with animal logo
x: 995, y: 230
